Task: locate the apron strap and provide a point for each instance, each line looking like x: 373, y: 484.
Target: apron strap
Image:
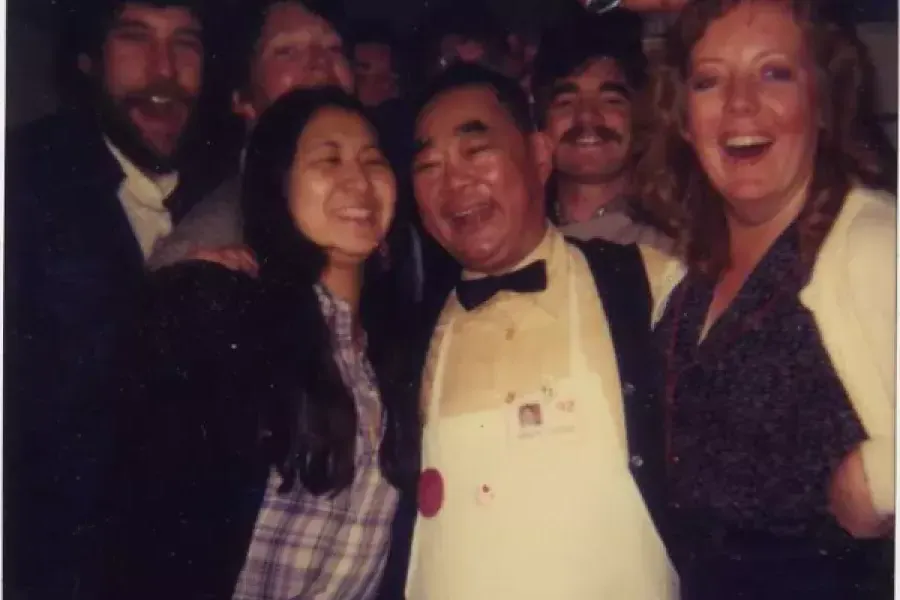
x: 433, y: 408
x: 577, y: 360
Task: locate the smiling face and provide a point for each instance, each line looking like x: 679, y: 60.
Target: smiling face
x: 152, y: 64
x: 296, y: 49
x: 588, y: 120
x: 341, y: 189
x: 751, y: 109
x: 478, y: 180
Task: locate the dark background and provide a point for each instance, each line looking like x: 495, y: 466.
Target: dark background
x: 403, y: 13
x: 33, y: 25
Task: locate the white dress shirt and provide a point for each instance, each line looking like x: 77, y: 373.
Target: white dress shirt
x: 143, y: 197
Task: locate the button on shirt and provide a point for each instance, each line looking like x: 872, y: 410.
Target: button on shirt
x: 325, y: 547
x: 519, y: 342
x: 143, y: 197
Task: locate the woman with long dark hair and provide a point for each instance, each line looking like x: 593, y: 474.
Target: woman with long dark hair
x: 779, y: 334
x: 274, y: 427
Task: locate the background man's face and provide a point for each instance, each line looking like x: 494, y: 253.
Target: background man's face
x: 455, y: 48
x: 152, y: 71
x: 478, y: 180
x: 588, y: 120
x: 376, y: 80
x: 520, y: 56
x: 296, y: 49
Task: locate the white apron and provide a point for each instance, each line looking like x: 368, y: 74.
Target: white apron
x: 538, y: 502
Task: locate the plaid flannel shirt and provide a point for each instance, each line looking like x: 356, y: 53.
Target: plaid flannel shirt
x: 324, y: 547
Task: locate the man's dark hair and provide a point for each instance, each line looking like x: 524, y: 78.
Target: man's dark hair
x: 380, y: 32
x: 567, y: 48
x: 372, y: 32
x: 461, y: 75
x: 84, y: 27
x: 249, y: 18
x: 87, y: 23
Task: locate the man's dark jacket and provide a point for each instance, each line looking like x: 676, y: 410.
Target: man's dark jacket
x: 74, y: 274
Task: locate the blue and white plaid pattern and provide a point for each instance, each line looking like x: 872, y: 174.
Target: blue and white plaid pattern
x: 324, y: 547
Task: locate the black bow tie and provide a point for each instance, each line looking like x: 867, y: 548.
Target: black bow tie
x: 472, y: 293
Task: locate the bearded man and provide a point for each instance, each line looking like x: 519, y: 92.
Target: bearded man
x: 89, y: 192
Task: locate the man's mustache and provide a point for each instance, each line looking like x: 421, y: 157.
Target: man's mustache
x: 164, y: 88
x: 604, y: 133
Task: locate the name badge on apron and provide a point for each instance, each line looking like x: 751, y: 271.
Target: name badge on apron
x: 550, y: 411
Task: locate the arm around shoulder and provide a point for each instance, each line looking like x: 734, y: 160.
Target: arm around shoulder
x: 196, y: 308
x: 190, y: 472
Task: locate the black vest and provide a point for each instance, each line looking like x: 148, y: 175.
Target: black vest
x: 625, y: 293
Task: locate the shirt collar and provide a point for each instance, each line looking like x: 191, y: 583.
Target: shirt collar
x: 242, y: 160
x: 554, y: 250
x: 162, y: 185
x: 616, y: 205
x: 338, y: 315
x: 541, y: 251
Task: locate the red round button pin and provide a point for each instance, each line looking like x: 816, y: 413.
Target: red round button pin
x: 431, y: 492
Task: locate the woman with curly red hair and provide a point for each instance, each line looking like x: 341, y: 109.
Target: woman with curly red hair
x: 779, y: 333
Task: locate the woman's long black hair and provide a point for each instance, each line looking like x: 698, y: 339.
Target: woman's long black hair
x: 309, y: 414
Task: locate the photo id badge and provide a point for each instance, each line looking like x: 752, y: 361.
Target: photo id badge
x: 540, y: 413
x: 525, y: 416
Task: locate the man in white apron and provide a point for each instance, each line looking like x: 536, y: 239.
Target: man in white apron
x: 537, y: 430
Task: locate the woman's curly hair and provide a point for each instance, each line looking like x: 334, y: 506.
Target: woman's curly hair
x: 671, y: 179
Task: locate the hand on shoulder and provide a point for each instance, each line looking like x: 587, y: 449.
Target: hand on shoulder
x: 236, y: 258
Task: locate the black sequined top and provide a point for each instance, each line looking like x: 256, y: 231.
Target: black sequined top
x: 757, y: 421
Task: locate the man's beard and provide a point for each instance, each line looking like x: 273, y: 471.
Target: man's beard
x: 127, y: 137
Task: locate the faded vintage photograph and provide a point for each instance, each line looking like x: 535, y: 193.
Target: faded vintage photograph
x: 277, y: 271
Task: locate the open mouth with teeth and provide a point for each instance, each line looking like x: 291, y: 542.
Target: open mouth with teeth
x: 746, y: 147
x: 358, y: 215
x: 471, y: 217
x: 162, y: 108
x: 588, y: 141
